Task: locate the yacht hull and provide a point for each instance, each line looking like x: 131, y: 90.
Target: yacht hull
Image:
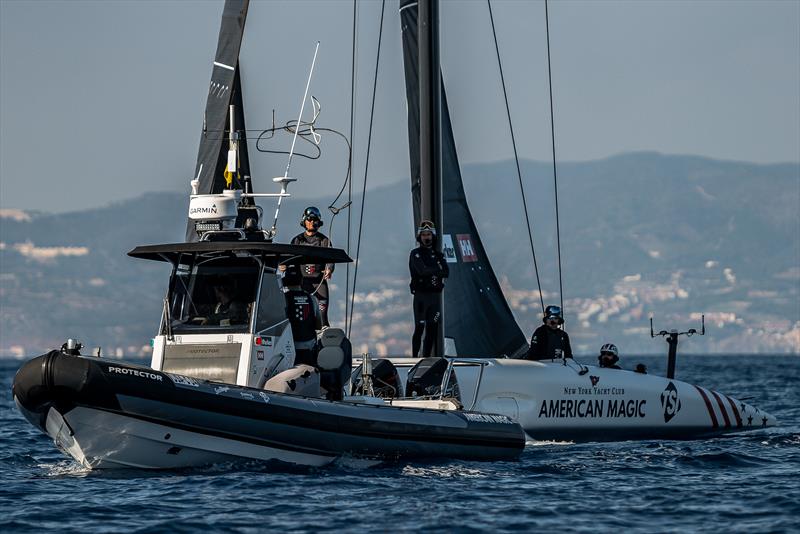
x: 567, y: 401
x: 109, y: 414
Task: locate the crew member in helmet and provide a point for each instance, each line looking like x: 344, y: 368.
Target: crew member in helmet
x: 315, y: 276
x: 550, y: 341
x: 301, y: 309
x: 609, y: 356
x: 428, y: 271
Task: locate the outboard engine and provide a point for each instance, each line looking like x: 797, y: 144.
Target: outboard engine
x: 334, y: 360
x: 385, y: 380
x: 425, y: 379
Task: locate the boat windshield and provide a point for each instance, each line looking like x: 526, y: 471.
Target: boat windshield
x: 213, y: 296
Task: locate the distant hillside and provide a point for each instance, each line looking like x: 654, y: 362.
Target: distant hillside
x: 642, y: 234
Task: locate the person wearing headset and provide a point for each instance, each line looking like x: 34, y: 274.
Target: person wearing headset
x: 550, y: 341
x: 428, y: 269
x: 315, y: 276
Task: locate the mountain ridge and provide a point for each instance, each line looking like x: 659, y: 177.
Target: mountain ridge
x: 641, y: 233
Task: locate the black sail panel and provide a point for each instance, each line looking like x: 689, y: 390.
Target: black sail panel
x: 224, y: 90
x: 477, y: 316
x: 408, y: 26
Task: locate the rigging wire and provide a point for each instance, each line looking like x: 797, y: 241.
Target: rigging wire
x: 366, y: 169
x: 516, y: 159
x: 350, y: 164
x: 553, y: 137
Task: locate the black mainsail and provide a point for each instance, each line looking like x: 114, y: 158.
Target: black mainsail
x: 224, y: 90
x: 476, y: 315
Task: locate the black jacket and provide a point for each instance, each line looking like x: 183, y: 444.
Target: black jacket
x: 428, y: 269
x: 546, y: 342
x: 313, y: 271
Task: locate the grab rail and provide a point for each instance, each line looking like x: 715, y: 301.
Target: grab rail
x: 464, y: 361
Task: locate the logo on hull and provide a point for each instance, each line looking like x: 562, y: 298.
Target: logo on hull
x: 670, y: 402
x: 134, y: 372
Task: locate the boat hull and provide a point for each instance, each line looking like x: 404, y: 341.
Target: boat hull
x: 109, y: 414
x: 553, y: 400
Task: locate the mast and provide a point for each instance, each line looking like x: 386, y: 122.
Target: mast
x: 224, y: 106
x: 430, y: 132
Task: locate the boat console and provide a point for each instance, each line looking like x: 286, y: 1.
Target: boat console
x: 224, y: 316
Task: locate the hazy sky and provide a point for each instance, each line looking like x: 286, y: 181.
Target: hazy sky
x: 104, y: 100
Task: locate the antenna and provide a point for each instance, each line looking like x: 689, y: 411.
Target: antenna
x: 285, y: 181
x: 302, y: 107
x: 672, y: 340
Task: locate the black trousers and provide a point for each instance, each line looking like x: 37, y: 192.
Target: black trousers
x: 427, y: 315
x: 320, y: 292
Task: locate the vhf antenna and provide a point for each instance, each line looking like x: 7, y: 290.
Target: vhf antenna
x: 285, y: 181
x: 672, y: 340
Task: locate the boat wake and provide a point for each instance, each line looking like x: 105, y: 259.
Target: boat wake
x: 722, y: 459
x: 444, y: 471
x: 63, y: 469
x: 542, y: 443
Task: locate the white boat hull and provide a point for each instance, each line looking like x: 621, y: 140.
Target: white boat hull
x: 101, y: 440
x: 558, y: 401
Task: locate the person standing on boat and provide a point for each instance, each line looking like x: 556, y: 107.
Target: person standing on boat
x: 301, y: 310
x: 550, y: 341
x: 428, y: 270
x: 609, y: 356
x: 315, y: 276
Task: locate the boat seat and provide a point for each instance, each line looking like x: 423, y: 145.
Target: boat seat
x: 331, y: 337
x: 330, y: 358
x: 334, y: 360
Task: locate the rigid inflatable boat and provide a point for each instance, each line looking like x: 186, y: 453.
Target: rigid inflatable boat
x: 109, y: 414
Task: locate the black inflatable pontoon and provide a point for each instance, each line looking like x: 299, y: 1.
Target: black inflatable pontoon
x: 112, y: 414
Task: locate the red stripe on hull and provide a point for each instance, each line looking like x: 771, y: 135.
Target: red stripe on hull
x: 714, y: 423
x: 735, y: 411
x: 722, y: 409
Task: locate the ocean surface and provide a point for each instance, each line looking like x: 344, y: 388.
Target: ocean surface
x: 745, y: 483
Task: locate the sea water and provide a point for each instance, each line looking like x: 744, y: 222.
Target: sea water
x: 744, y: 483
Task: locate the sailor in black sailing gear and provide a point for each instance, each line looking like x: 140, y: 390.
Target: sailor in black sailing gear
x: 609, y: 356
x: 301, y: 309
x: 428, y: 271
x: 315, y: 276
x: 549, y: 341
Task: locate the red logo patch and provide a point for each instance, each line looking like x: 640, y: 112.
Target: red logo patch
x: 465, y: 245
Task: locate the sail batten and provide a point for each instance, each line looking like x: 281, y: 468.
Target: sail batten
x: 476, y: 314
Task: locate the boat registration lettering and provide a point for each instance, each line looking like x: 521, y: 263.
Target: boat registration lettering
x: 488, y: 418
x: 135, y: 372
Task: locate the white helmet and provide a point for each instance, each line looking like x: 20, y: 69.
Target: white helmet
x: 609, y: 348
